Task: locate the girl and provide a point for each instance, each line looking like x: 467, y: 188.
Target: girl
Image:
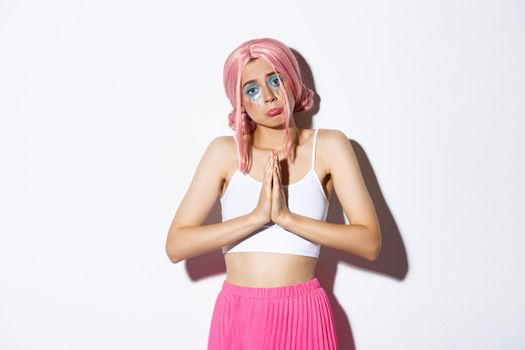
x: 274, y: 181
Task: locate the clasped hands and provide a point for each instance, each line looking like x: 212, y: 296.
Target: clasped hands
x: 272, y: 201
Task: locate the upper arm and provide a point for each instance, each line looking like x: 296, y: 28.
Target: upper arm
x: 348, y: 181
x: 205, y: 187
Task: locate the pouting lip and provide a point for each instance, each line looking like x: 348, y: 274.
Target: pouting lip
x: 273, y: 112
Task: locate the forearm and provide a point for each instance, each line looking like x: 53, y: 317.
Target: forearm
x: 355, y: 239
x: 185, y: 242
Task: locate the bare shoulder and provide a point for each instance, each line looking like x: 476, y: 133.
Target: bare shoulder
x: 222, y: 150
x: 332, y: 135
x: 331, y: 143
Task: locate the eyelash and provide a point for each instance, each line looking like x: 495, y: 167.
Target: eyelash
x: 272, y: 79
x: 247, y: 91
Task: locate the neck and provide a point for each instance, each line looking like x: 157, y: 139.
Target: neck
x: 273, y: 139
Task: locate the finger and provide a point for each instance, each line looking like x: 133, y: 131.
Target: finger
x: 276, y: 182
x: 278, y: 167
x: 280, y: 180
x: 281, y: 188
x: 269, y: 163
x: 267, y: 183
x: 275, y: 161
x: 267, y: 166
x: 269, y: 174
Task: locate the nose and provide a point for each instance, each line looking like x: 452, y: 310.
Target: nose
x: 269, y: 95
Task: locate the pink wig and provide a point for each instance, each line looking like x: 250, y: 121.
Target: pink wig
x: 282, y: 60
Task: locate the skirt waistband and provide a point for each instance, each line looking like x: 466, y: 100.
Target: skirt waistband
x: 271, y: 292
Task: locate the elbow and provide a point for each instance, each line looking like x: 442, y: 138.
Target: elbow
x: 172, y: 256
x: 375, y: 247
x: 374, y: 253
x: 174, y: 259
x: 172, y: 253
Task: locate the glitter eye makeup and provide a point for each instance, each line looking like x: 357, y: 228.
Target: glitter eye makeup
x: 254, y: 93
x: 274, y: 80
x: 275, y: 84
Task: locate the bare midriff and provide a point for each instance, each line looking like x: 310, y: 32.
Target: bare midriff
x: 262, y: 269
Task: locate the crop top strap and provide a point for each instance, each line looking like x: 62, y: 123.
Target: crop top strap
x: 313, y: 148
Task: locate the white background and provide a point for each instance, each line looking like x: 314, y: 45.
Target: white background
x: 107, y: 106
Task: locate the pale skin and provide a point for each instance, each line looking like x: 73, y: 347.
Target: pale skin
x: 335, y: 164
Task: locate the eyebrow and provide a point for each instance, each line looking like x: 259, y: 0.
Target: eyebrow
x: 254, y: 80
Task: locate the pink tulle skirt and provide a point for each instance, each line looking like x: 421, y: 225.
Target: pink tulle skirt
x: 297, y: 316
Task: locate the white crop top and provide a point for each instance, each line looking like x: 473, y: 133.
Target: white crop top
x: 305, y: 197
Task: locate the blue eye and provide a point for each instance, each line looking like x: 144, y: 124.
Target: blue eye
x: 274, y: 81
x: 252, y: 90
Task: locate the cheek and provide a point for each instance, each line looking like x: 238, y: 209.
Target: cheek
x: 247, y: 102
x: 249, y: 106
x: 252, y: 101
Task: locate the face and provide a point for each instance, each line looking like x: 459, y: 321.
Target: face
x: 262, y: 93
